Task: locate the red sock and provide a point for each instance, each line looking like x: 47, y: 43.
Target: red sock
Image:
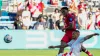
x: 87, y: 52
x: 65, y: 54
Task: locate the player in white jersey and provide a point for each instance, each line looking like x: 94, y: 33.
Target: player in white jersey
x: 75, y: 43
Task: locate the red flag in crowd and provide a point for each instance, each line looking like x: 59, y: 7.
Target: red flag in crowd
x: 40, y: 6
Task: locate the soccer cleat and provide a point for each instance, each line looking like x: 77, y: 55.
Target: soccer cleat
x: 51, y: 47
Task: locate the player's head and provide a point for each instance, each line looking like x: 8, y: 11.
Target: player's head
x: 64, y: 10
x: 40, y: 18
x: 56, y: 10
x: 26, y: 15
x: 75, y: 34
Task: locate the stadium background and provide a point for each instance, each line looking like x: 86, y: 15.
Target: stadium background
x: 25, y: 43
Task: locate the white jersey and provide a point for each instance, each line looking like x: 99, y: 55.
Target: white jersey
x: 75, y: 47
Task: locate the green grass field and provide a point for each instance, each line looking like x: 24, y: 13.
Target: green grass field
x: 48, y: 52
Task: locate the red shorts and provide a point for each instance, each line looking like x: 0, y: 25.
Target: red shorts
x: 67, y: 37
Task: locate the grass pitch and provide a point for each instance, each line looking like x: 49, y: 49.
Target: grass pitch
x: 48, y: 52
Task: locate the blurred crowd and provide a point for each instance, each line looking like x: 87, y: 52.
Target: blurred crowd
x: 30, y: 14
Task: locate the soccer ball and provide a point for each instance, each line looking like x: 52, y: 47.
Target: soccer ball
x: 8, y: 38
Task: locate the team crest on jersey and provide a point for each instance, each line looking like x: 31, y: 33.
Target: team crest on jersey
x: 70, y: 20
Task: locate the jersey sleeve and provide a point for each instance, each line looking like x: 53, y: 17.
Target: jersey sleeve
x: 81, y: 39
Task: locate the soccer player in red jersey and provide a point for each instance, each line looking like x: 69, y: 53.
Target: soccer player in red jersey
x: 70, y: 26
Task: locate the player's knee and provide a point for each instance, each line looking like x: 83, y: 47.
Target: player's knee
x: 63, y: 44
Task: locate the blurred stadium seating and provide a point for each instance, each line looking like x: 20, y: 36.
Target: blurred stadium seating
x: 7, y: 18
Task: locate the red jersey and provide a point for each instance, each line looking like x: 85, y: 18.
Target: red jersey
x: 70, y: 17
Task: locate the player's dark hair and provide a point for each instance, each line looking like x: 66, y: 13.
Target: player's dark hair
x: 64, y: 8
x: 56, y: 10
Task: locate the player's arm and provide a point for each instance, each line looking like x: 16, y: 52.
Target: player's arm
x: 62, y: 46
x: 59, y: 46
x: 90, y: 36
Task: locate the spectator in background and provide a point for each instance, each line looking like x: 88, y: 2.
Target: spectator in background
x: 92, y: 11
x: 18, y: 22
x: 82, y: 18
x: 33, y: 7
x: 21, y: 5
x: 90, y: 25
x: 64, y: 3
x: 60, y: 22
x: 55, y: 17
x: 41, y: 24
x: 82, y: 5
x: 10, y: 7
x: 15, y: 6
x: 68, y: 2
x: 26, y: 19
x: 73, y: 6
x: 49, y: 2
x: 91, y: 14
x: 98, y: 19
x: 51, y: 22
x: 98, y: 22
x: 87, y: 10
x: 53, y: 2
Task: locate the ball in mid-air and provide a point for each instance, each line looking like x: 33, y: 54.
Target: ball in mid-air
x: 8, y: 38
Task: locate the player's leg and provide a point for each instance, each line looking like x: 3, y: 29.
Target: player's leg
x: 68, y: 54
x: 86, y: 51
x: 65, y: 54
x: 61, y: 49
x: 64, y: 40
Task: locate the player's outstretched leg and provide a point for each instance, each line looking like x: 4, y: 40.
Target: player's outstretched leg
x: 61, y: 50
x: 86, y: 51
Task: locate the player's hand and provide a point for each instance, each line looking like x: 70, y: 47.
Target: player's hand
x: 96, y: 34
x: 51, y: 47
